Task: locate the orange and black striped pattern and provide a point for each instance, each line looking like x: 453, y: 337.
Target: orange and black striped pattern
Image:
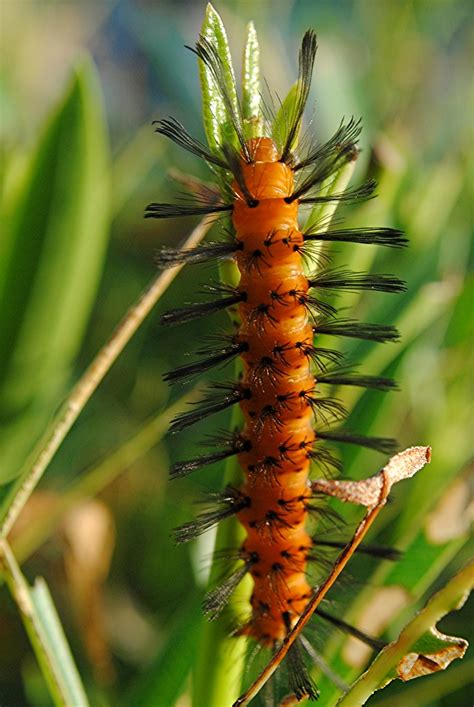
x: 287, y: 416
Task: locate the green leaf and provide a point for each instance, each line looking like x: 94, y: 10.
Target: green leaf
x: 428, y: 692
x: 46, y: 634
x: 251, y: 89
x: 34, y: 467
x: 282, y: 118
x: 420, y: 648
x: 217, y: 123
x: 50, y: 262
x: 324, y: 213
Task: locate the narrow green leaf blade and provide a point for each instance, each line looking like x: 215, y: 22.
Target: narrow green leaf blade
x: 221, y: 659
x: 55, y: 643
x: 396, y: 659
x: 217, y: 123
x: 52, y: 257
x: 46, y: 634
x: 251, y: 89
x: 282, y: 118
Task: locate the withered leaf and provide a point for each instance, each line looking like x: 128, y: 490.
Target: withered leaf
x: 432, y: 652
x: 369, y: 492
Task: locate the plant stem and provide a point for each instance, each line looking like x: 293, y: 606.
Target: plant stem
x: 311, y: 606
x: 45, y: 633
x: 372, y: 493
x: 221, y: 662
x: 52, y: 439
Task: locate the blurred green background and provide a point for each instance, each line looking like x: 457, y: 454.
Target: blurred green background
x: 81, y: 83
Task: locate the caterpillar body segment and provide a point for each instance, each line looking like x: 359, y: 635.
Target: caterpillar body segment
x: 277, y: 417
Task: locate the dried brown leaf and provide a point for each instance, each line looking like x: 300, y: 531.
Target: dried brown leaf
x: 368, y: 492
x: 414, y: 665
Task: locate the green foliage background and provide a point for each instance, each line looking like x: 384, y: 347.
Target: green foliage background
x: 78, y: 169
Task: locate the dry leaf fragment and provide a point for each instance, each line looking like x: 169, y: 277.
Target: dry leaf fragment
x: 369, y: 492
x: 445, y: 650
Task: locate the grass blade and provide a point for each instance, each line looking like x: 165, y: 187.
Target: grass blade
x: 217, y: 123
x: 50, y: 262
x: 47, y: 447
x: 251, y: 89
x: 419, y: 631
x: 45, y: 632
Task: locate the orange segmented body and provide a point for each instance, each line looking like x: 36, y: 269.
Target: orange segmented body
x: 278, y: 318
x: 277, y: 374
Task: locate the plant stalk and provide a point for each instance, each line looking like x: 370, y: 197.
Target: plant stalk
x: 45, y: 633
x: 52, y: 439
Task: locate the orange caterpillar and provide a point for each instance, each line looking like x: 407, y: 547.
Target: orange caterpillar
x: 277, y: 376
x: 284, y: 372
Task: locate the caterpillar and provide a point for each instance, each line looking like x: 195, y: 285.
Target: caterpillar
x: 279, y: 312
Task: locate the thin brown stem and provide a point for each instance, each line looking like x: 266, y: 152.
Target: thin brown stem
x: 372, y: 492
x: 311, y: 606
x: 52, y: 439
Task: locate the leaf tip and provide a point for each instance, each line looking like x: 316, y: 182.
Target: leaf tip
x: 211, y: 15
x: 251, y: 31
